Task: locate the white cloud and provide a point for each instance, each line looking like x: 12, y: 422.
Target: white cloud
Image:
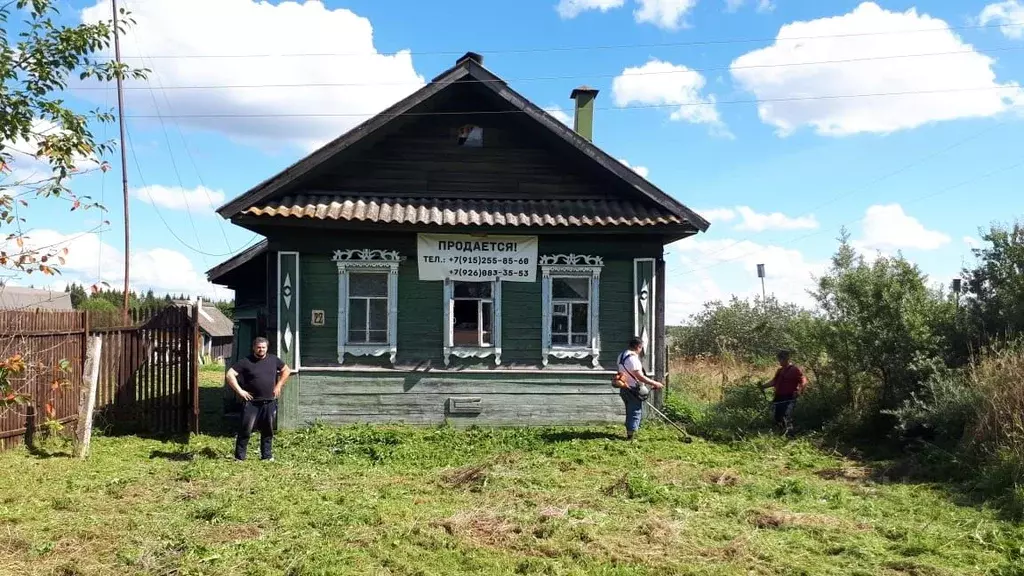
x: 888, y: 228
x: 659, y: 83
x: 718, y: 214
x: 667, y: 14
x: 560, y: 114
x: 199, y: 200
x: 703, y: 270
x: 1008, y: 15
x: 197, y: 28
x: 641, y: 170
x: 756, y: 222
x: 972, y: 242
x: 762, y: 5
x: 90, y: 260
x: 573, y: 8
x: 768, y: 73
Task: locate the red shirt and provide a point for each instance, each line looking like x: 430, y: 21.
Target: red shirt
x: 787, y: 380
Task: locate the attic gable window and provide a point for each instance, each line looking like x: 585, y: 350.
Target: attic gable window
x: 570, y: 290
x: 367, y: 303
x: 470, y: 136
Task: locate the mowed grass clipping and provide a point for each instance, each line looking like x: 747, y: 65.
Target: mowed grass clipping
x: 392, y: 500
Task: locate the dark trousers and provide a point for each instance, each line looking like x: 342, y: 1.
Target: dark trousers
x: 257, y: 414
x: 783, y: 411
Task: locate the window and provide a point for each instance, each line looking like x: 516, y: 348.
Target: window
x: 472, y: 314
x: 570, y: 291
x: 570, y: 311
x: 367, y: 308
x: 472, y: 320
x: 367, y: 303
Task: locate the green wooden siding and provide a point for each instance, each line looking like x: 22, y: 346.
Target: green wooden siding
x: 504, y: 399
x: 420, y: 305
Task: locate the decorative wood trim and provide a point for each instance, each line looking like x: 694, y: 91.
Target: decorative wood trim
x: 367, y: 260
x: 287, y: 294
x: 569, y: 265
x: 643, y: 308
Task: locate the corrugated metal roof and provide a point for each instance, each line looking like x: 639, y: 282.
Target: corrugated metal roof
x: 18, y: 298
x: 456, y: 212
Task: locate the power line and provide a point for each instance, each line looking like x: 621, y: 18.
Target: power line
x: 570, y: 76
x: 882, y: 178
x: 941, y: 191
x: 633, y: 107
x: 534, y: 50
x: 159, y: 213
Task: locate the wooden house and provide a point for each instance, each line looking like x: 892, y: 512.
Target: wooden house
x: 463, y: 256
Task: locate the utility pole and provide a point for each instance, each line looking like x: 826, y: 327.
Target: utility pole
x: 124, y: 159
x: 760, y: 274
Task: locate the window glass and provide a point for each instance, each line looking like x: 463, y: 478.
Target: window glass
x: 368, y: 284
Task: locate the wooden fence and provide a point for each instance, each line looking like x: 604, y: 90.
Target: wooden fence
x: 148, y: 373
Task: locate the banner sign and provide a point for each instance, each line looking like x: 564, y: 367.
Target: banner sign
x: 477, y: 258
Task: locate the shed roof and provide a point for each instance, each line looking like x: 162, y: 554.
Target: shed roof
x: 19, y: 298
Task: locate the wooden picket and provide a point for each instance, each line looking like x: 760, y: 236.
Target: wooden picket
x: 148, y: 374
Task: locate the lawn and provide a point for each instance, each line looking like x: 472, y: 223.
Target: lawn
x: 397, y: 500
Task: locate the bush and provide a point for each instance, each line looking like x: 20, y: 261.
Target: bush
x: 942, y: 412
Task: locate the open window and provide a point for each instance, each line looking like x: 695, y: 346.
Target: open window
x: 472, y: 320
x: 570, y: 291
x: 367, y: 303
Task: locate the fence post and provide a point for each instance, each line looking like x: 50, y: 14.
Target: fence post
x: 87, y: 402
x: 194, y: 368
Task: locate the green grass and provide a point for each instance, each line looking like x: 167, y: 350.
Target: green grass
x: 396, y: 500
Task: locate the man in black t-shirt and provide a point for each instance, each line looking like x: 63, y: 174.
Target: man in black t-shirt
x: 257, y: 379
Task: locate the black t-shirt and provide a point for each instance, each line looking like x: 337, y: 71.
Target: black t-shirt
x: 258, y: 376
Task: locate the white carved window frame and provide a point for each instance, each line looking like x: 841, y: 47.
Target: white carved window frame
x: 485, y: 351
x: 571, y: 266
x: 373, y: 261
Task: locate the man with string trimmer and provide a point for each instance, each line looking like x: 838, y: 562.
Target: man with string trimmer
x: 789, y: 383
x: 633, y: 384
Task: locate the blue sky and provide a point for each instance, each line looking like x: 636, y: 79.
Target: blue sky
x: 731, y: 106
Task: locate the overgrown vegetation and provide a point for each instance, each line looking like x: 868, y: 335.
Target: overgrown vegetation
x: 442, y: 501
x: 895, y: 364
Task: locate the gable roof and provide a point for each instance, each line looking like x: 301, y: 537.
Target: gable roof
x: 18, y: 298
x: 467, y: 68
x: 211, y: 319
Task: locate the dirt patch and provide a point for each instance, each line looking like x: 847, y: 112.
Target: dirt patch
x: 845, y: 473
x: 722, y: 477
x: 12, y: 544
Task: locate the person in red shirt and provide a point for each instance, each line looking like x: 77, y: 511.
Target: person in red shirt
x: 789, y: 382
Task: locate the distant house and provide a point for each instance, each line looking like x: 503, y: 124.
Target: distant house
x: 215, y: 329
x: 18, y: 298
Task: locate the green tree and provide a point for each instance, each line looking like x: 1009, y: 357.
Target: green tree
x: 995, y: 286
x: 43, y: 141
x: 751, y: 330
x: 98, y: 304
x: 882, y: 326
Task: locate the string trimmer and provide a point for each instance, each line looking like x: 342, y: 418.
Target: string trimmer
x: 686, y: 437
